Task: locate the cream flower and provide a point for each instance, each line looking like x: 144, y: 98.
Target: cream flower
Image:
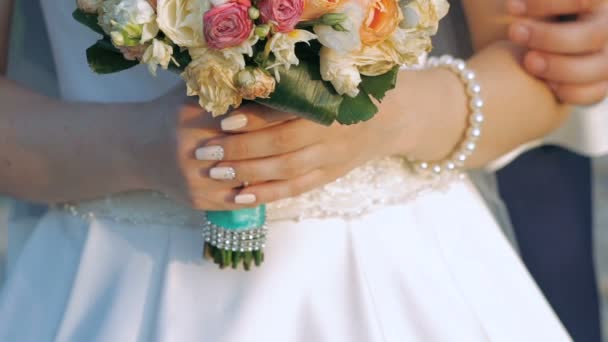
x: 423, y: 15
x: 282, y: 46
x: 128, y: 22
x: 158, y: 53
x: 255, y: 83
x: 236, y: 53
x: 343, y: 41
x: 133, y: 53
x: 211, y: 77
x: 406, y: 45
x: 341, y: 71
x: 182, y: 21
x: 89, y: 6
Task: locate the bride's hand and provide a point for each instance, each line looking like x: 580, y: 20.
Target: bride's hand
x: 297, y: 156
x: 172, y: 130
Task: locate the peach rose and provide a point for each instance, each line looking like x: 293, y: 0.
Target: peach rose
x: 383, y: 18
x: 314, y: 9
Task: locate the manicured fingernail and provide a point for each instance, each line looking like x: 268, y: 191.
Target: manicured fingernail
x: 516, y: 7
x: 210, y: 153
x: 536, y: 63
x: 520, y: 33
x: 234, y: 122
x: 222, y: 173
x: 245, y: 199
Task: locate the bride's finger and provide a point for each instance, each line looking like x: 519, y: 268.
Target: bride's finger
x: 276, y: 140
x: 284, y: 167
x: 253, y: 117
x: 216, y: 200
x: 197, y: 180
x: 275, y: 191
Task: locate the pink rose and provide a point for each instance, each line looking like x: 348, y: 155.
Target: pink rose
x: 227, y: 25
x: 283, y: 14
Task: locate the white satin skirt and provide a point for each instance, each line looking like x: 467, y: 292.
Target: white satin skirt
x: 433, y: 268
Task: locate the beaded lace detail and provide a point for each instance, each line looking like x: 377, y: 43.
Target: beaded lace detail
x: 380, y: 183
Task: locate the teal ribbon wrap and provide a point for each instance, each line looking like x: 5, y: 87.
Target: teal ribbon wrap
x: 236, y: 237
x: 239, y: 220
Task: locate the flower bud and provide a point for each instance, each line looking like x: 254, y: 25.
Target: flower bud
x: 333, y: 19
x: 254, y: 13
x: 262, y: 31
x: 339, y: 28
x: 255, y: 83
x: 245, y: 78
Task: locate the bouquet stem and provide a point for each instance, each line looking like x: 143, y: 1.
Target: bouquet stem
x: 237, y: 237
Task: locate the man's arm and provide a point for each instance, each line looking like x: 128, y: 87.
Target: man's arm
x: 570, y: 54
x: 6, y: 10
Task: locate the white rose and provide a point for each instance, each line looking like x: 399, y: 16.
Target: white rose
x: 158, y: 53
x: 341, y: 71
x: 343, y: 41
x: 128, y: 22
x: 423, y: 15
x: 283, y: 45
x: 182, y: 21
x: 211, y: 77
x: 89, y: 6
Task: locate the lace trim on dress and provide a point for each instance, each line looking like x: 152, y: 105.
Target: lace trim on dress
x: 385, y: 182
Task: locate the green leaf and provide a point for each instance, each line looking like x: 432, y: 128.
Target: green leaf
x: 301, y: 93
x: 362, y: 108
x: 356, y: 109
x: 378, y: 86
x: 104, y: 58
x: 106, y: 43
x: 88, y: 20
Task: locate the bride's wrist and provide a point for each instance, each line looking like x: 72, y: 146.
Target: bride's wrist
x: 439, y: 100
x: 141, y: 128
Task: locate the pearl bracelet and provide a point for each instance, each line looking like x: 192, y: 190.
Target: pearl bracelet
x: 455, y: 162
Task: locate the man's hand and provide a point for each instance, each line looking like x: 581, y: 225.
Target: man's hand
x: 572, y: 55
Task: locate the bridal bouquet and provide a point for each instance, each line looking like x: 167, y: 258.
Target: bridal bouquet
x: 230, y: 51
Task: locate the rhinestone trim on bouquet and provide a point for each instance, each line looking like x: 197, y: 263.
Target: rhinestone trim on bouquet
x: 231, y: 248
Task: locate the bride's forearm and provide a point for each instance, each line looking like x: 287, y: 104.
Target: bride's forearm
x: 518, y: 107
x: 52, y: 151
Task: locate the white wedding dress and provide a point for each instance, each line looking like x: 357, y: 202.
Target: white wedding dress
x: 380, y: 255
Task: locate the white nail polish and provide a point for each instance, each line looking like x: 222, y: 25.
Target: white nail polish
x: 210, y: 153
x: 245, y: 199
x: 222, y: 173
x: 234, y: 122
